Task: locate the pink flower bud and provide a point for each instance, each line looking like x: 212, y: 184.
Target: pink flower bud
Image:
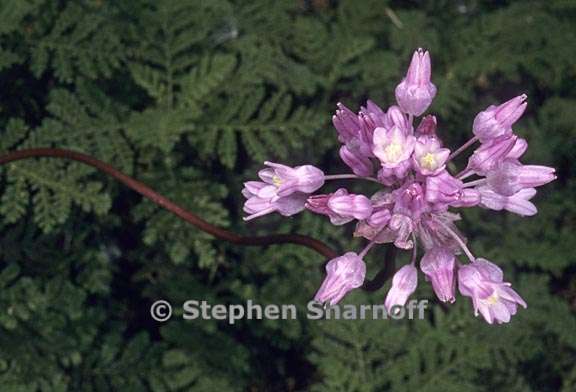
x: 427, y: 126
x: 438, y: 265
x: 490, y: 154
x: 376, y: 115
x: 518, y: 150
x: 357, y: 206
x: 482, y: 281
x: 404, y: 283
x: 340, y: 206
x: 355, y: 130
x: 497, y: 121
x: 511, y: 176
x: 443, y: 188
x: 360, y: 165
x: 346, y: 123
x: 410, y: 200
x: 344, y: 273
x: 398, y: 119
x: 379, y: 218
x: 416, y: 92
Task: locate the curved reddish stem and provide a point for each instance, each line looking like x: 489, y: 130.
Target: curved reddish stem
x: 166, y: 203
x: 182, y: 213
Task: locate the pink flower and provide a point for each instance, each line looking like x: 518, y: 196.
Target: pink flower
x: 438, y: 264
x: 344, y: 273
x: 410, y: 200
x: 357, y: 206
x: 360, y: 165
x: 404, y: 283
x: 306, y: 179
x: 518, y: 203
x: 340, y: 206
x: 355, y: 130
x: 496, y: 121
x: 427, y: 126
x: 418, y: 189
x: 490, y: 154
x: 346, y: 123
x: 518, y: 150
x: 395, y: 117
x: 392, y: 146
x: 429, y: 158
x: 482, y: 281
x: 416, y: 92
x: 375, y: 115
x: 263, y: 200
x: 511, y: 176
x: 443, y: 188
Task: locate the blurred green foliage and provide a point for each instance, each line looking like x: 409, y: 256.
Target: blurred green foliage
x: 190, y: 96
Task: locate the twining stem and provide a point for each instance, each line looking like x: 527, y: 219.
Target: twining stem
x: 218, y: 232
x: 349, y: 176
x: 463, y: 147
x: 169, y: 205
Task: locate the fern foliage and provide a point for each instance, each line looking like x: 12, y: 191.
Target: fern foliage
x: 190, y: 97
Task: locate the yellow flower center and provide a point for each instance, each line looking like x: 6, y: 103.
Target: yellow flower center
x: 392, y: 152
x: 493, y: 299
x: 428, y: 161
x: 277, y: 181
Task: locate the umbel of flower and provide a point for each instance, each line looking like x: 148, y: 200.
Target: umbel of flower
x: 482, y: 281
x: 343, y: 274
x: 420, y: 193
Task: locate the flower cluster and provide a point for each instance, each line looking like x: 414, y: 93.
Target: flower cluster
x: 414, y: 207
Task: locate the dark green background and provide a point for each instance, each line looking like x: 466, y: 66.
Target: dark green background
x: 191, y: 97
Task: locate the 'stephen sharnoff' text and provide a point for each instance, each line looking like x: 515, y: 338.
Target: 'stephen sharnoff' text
x: 194, y: 309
